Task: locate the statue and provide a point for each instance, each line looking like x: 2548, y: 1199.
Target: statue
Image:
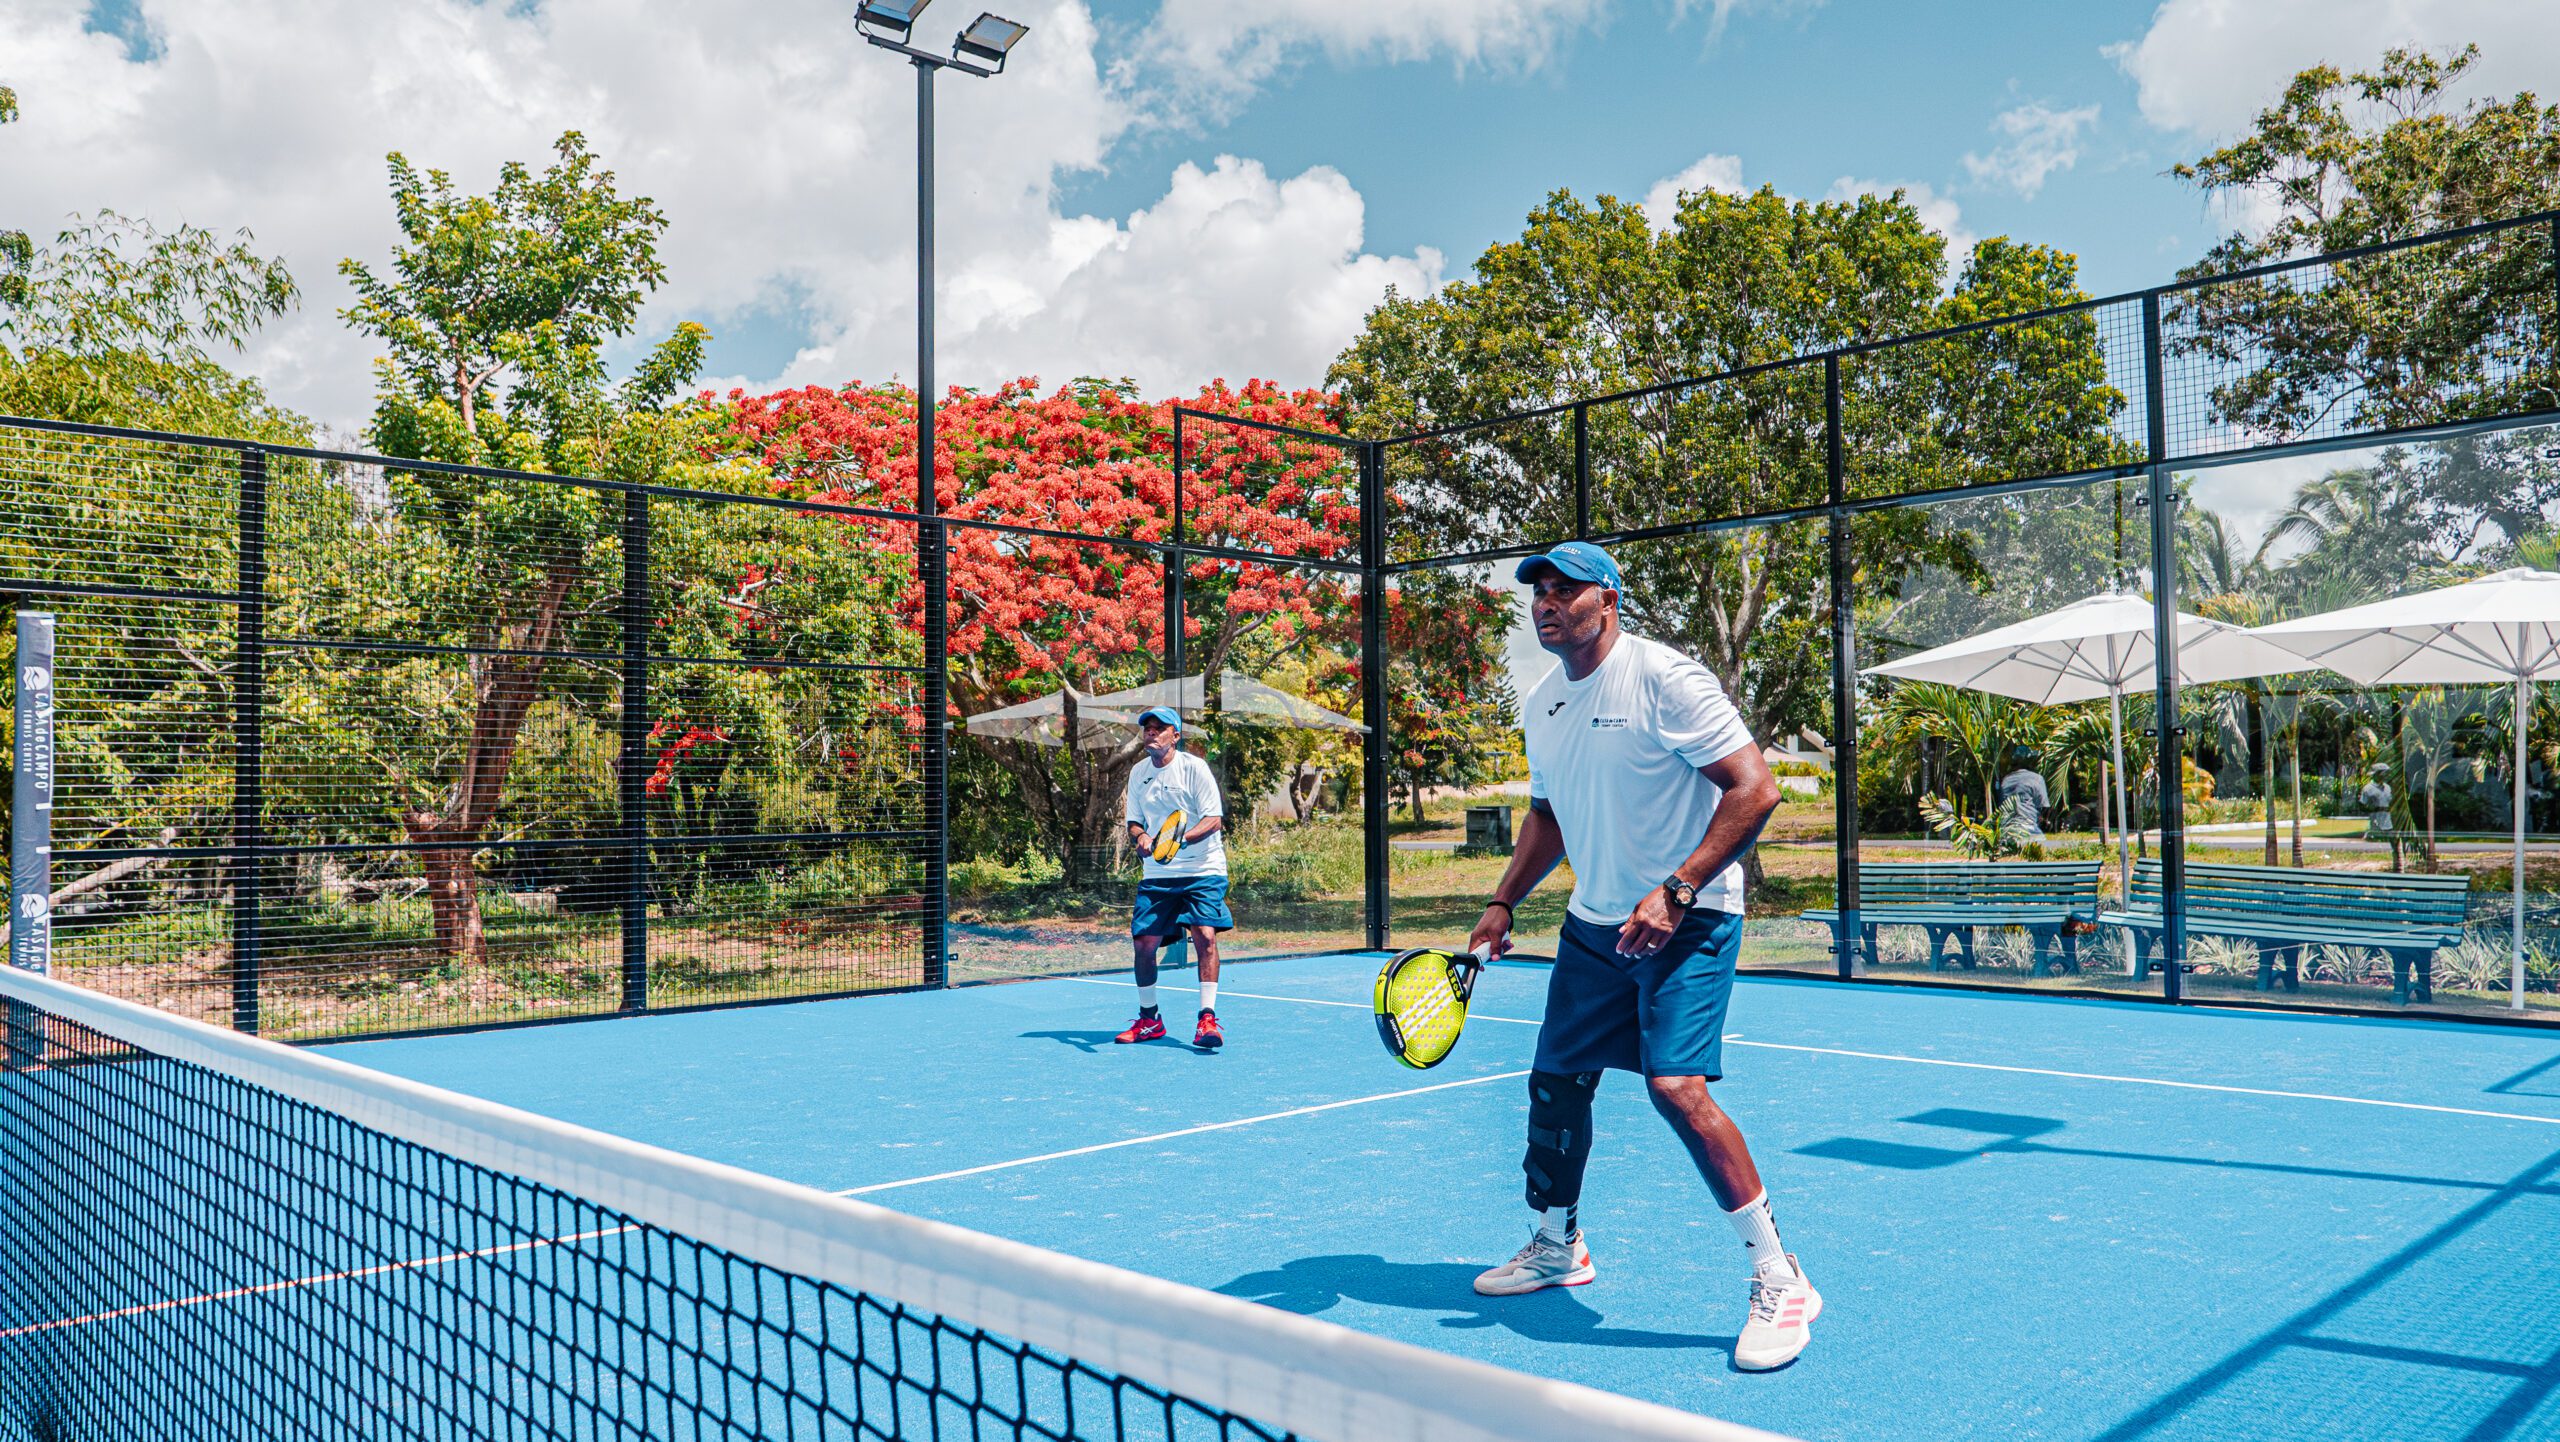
x: 2023, y: 798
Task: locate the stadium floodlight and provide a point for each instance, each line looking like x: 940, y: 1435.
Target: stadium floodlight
x: 989, y: 37
x: 897, y: 15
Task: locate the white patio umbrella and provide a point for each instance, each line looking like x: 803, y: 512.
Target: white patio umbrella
x: 2097, y: 646
x: 1099, y: 720
x: 2504, y: 627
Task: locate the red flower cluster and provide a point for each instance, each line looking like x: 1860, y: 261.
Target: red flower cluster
x: 676, y: 750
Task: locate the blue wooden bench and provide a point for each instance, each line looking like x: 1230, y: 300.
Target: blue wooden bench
x: 2283, y: 909
x: 2053, y: 901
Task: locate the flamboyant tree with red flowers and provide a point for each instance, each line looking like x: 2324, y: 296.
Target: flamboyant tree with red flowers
x: 1032, y: 614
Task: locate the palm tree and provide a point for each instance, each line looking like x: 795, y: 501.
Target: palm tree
x: 1978, y: 728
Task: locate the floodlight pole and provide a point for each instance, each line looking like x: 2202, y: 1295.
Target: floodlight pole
x: 932, y: 543
x: 932, y: 552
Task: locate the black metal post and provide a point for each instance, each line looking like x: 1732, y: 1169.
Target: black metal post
x: 635, y: 751
x: 248, y: 743
x: 1373, y: 689
x: 931, y: 556
x: 1581, y: 472
x: 1844, y: 681
x: 1173, y: 568
x: 2171, y: 741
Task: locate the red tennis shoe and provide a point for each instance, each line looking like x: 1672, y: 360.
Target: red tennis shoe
x: 1210, y: 1036
x: 1145, y: 1028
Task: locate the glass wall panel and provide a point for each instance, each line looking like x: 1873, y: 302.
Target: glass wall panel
x: 2352, y: 826
x: 1459, y: 655
x: 1752, y: 605
x: 1988, y: 790
x: 1272, y: 698
x: 1055, y: 646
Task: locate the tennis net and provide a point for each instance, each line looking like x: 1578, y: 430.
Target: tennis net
x: 203, y: 1234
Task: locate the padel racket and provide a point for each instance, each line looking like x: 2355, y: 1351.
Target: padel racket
x: 1169, y: 836
x: 1421, y: 1003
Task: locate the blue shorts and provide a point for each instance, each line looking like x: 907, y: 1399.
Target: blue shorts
x: 1661, y: 1015
x: 1164, y: 908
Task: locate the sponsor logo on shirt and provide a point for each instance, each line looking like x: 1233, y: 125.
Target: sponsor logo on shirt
x: 1555, y: 708
x: 1608, y: 723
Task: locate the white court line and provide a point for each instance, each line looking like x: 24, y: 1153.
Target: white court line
x: 2147, y: 1081
x: 1993, y: 1066
x: 1184, y: 1132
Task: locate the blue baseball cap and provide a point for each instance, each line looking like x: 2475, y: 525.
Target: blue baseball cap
x: 1164, y: 714
x: 1579, y: 560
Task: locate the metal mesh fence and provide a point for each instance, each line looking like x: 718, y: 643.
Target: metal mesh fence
x: 351, y: 746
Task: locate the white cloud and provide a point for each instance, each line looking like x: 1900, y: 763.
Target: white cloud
x: 1220, y: 50
x: 2208, y: 67
x: 2040, y: 141
x: 781, y: 148
x: 1938, y: 212
x: 1708, y: 172
x: 1720, y: 13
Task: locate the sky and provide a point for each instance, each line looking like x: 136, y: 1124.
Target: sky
x: 1167, y: 190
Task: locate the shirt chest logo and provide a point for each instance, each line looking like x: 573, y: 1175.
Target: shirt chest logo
x: 1608, y: 723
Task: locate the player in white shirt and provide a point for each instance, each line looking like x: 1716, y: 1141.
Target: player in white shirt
x: 1642, y: 773
x: 1187, y: 893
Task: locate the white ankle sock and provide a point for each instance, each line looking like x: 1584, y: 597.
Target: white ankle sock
x: 1559, y: 1224
x: 1147, y: 997
x: 1759, y: 1233
x: 1208, y: 996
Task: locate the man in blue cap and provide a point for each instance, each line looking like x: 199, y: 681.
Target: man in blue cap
x: 1642, y: 773
x: 1186, y: 893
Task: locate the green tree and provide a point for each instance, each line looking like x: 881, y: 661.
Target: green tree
x: 496, y: 311
x: 17, y: 253
x: 1592, y: 299
x: 2416, y: 336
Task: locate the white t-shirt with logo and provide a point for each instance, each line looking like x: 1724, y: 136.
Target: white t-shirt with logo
x: 1616, y: 755
x: 1186, y: 784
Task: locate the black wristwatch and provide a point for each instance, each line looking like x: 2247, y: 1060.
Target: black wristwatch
x: 1682, y: 894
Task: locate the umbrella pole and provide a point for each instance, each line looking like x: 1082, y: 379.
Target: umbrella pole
x: 2515, y: 994
x: 2124, y: 819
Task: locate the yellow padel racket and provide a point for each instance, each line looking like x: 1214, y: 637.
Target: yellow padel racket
x: 1169, y: 836
x: 1421, y: 1002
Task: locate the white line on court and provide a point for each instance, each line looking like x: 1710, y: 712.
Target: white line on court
x: 1986, y: 1066
x: 1183, y: 1132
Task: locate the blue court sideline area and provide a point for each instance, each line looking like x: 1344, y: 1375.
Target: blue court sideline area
x: 2029, y: 1218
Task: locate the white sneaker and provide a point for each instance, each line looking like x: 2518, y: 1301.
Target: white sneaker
x: 1541, y: 1264
x: 1782, y: 1313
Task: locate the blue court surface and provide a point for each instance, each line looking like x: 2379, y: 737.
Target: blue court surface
x: 2028, y: 1217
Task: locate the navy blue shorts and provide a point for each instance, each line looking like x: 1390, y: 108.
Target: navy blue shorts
x: 1164, y: 908
x: 1661, y: 1015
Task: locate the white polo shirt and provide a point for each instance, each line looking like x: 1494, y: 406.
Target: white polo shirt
x: 1184, y: 783
x: 1616, y: 755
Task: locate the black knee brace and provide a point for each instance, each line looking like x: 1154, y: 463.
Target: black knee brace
x: 1559, y: 1136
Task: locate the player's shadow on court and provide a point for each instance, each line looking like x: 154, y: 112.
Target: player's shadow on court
x: 1310, y: 1286
x: 1090, y: 1042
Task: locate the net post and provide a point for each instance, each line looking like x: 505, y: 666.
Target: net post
x: 248, y: 745
x: 1373, y: 689
x: 31, y: 833
x: 635, y: 750
x: 2171, y: 755
x: 1844, y: 681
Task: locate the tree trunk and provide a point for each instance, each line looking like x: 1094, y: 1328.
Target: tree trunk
x: 2431, y: 820
x: 2267, y: 776
x: 504, y: 690
x: 2293, y: 767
